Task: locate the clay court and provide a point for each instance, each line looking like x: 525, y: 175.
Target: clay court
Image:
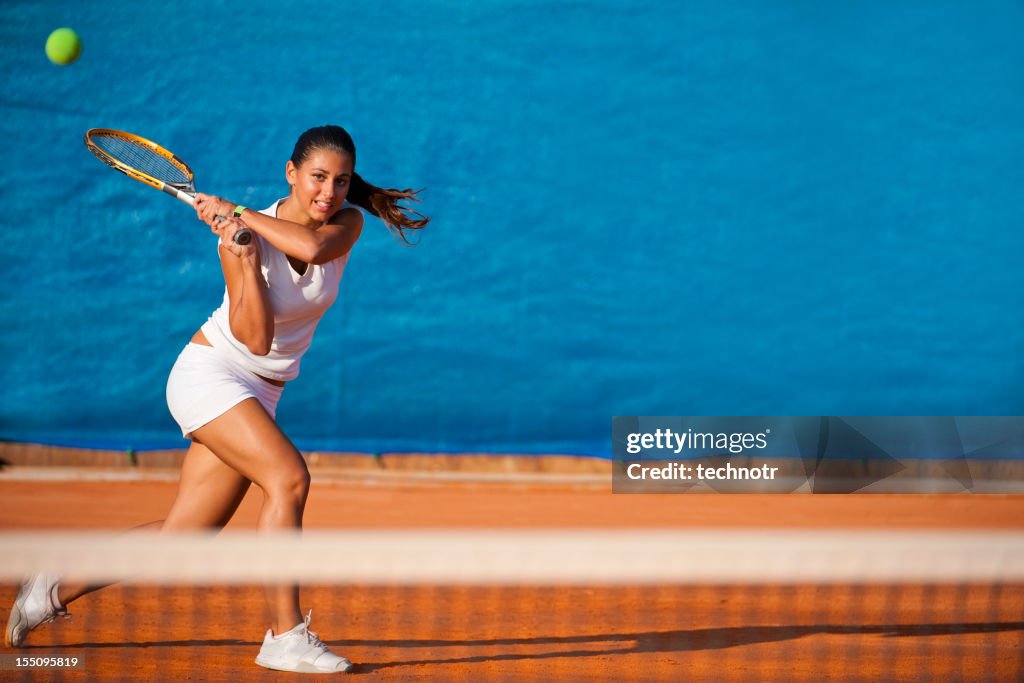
x: 706, y: 633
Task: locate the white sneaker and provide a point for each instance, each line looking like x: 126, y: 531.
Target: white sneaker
x: 36, y: 604
x: 301, y: 651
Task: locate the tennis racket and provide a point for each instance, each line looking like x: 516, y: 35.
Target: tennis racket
x: 149, y: 163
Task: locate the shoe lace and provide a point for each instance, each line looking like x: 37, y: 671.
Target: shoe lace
x: 58, y: 612
x: 311, y: 637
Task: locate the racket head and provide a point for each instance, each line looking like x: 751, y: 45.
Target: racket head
x: 139, y: 158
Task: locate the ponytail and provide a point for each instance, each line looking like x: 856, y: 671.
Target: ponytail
x: 384, y: 204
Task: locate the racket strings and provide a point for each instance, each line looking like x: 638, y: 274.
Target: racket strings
x: 142, y: 159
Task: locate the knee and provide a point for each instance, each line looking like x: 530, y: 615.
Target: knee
x: 291, y: 487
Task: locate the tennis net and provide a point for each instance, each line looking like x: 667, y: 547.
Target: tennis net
x: 529, y: 605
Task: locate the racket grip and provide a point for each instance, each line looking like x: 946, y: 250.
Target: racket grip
x: 242, y: 237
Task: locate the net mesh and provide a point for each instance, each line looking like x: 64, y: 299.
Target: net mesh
x: 548, y: 605
x: 141, y: 158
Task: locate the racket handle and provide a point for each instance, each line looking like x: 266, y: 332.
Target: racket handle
x: 242, y: 237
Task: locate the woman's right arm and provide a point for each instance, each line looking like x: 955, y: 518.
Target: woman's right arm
x: 249, y: 313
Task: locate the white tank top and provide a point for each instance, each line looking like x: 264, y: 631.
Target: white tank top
x: 298, y: 303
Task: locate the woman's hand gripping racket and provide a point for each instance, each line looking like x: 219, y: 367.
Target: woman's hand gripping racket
x: 149, y: 163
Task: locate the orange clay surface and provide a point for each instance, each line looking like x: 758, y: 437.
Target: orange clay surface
x: 694, y: 633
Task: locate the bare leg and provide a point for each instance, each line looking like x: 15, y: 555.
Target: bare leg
x: 209, y: 492
x: 250, y: 442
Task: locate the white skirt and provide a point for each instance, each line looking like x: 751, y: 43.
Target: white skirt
x: 204, y: 384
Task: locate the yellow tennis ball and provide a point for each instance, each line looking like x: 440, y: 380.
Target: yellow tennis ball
x: 63, y: 46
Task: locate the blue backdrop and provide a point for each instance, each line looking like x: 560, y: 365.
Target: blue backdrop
x: 763, y: 208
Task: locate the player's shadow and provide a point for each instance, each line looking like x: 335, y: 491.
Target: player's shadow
x: 119, y: 644
x: 660, y: 641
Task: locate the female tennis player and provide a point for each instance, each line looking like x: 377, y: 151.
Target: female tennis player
x: 225, y: 386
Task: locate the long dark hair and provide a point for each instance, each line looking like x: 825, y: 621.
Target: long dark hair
x: 382, y: 203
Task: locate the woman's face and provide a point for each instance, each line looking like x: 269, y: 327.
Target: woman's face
x: 320, y: 184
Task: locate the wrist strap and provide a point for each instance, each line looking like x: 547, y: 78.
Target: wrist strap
x: 238, y: 210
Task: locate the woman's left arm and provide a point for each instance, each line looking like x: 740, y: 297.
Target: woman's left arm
x: 328, y: 242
